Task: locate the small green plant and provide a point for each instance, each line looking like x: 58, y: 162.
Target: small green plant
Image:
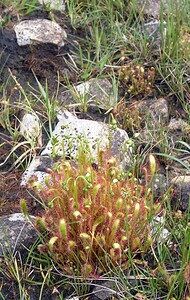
x: 128, y: 117
x: 93, y: 214
x: 137, y: 79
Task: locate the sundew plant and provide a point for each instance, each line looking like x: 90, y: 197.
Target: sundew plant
x: 94, y: 214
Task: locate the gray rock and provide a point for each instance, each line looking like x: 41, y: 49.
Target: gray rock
x: 176, y: 129
x: 152, y: 30
x: 160, y: 185
x: 54, y: 4
x: 183, y: 185
x: 93, y: 93
x: 104, y: 289
x: 178, y: 125
x: 65, y: 114
x: 39, y: 31
x: 152, y: 7
x: 155, y: 110
x: 16, y: 232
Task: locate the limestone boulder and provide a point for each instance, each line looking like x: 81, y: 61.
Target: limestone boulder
x: 70, y: 134
x: 36, y: 31
x: 54, y: 4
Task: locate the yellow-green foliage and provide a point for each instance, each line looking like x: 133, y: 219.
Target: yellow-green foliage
x: 137, y: 79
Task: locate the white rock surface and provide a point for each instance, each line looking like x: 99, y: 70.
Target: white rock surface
x: 39, y: 31
x: 160, y: 234
x: 54, y: 4
x: 30, y: 126
x: 68, y: 135
x: 65, y: 114
x: 17, y: 217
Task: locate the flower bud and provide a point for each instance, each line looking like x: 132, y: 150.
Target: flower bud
x: 77, y: 215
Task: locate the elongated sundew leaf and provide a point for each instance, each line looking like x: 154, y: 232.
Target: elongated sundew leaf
x: 119, y: 203
x: 63, y: 229
x: 87, y: 269
x: 85, y: 236
x: 41, y: 222
x: 95, y: 190
x: 71, y: 245
x: 75, y: 193
x: 96, y: 223
x: 135, y: 243
x: 52, y: 242
x: 136, y: 210
x: 114, y: 230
